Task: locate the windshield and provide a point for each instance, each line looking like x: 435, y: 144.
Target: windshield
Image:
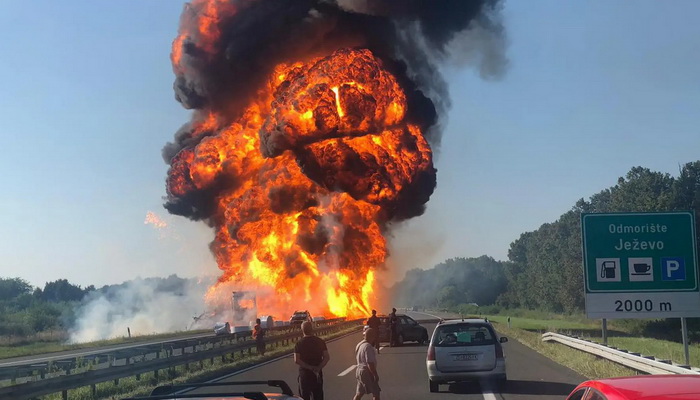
x: 463, y: 335
x: 188, y: 188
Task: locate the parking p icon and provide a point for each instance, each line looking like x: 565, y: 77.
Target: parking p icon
x: 673, y: 268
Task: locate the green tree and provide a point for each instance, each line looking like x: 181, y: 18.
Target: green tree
x: 448, y: 296
x: 61, y: 290
x: 11, y: 288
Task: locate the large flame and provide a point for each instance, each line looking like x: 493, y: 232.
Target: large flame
x: 304, y: 182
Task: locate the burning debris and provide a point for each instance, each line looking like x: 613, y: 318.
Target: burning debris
x: 154, y: 220
x: 312, y: 131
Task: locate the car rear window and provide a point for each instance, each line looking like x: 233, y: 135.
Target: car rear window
x: 463, y: 335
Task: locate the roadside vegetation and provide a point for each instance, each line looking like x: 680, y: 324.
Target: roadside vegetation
x: 529, y: 332
x: 585, y: 364
x: 37, y: 320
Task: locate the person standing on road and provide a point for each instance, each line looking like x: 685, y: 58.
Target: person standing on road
x: 393, y: 328
x: 311, y: 354
x: 366, y: 372
x: 259, y: 336
x: 374, y: 322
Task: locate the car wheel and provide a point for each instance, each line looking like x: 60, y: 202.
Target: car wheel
x: 434, y: 386
x: 399, y: 340
x: 424, y: 338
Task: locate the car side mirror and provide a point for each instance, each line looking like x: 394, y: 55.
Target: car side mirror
x: 503, y: 339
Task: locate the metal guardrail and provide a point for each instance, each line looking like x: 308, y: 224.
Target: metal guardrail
x: 136, y: 364
x: 635, y: 361
x: 41, y: 368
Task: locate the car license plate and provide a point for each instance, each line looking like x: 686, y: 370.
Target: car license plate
x: 466, y: 357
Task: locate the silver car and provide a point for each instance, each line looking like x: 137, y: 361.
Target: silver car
x: 462, y: 350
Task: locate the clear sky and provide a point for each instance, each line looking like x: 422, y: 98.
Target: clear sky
x: 593, y: 89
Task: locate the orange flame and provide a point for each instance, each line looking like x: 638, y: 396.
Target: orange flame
x: 311, y: 172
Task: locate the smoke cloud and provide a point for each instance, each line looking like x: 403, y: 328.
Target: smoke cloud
x: 413, y: 36
x: 145, y: 307
x: 312, y: 131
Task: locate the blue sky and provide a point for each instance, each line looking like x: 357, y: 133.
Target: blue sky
x: 593, y: 89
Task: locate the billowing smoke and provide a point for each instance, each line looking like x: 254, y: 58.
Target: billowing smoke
x: 144, y: 307
x: 312, y: 131
x: 245, y: 39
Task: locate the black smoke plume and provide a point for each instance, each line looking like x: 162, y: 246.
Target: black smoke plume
x: 411, y: 37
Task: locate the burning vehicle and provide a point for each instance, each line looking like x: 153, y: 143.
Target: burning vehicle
x: 299, y: 317
x: 222, y: 328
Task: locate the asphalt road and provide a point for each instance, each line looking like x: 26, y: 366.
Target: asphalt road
x: 403, y: 376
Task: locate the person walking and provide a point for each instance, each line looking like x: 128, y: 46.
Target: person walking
x: 259, y: 336
x: 393, y: 328
x: 374, y: 322
x: 311, y: 354
x: 366, y: 371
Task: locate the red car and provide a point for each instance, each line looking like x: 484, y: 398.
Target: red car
x: 642, y: 387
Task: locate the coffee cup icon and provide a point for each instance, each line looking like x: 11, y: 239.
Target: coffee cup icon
x: 641, y: 268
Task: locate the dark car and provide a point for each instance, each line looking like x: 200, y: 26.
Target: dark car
x: 408, y: 330
x: 300, y: 316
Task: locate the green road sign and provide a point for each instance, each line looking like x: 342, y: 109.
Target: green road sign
x: 637, y: 253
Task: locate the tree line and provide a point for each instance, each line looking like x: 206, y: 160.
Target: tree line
x: 544, y: 267
x: 26, y: 310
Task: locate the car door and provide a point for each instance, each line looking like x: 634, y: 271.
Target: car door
x: 409, y: 328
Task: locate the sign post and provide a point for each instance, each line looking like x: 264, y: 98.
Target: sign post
x: 684, y: 332
x: 641, y: 265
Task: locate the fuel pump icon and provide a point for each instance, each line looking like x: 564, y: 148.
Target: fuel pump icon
x: 607, y: 270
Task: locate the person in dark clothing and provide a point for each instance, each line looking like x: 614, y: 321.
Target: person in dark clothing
x: 259, y: 336
x: 393, y: 328
x: 374, y: 322
x: 311, y: 354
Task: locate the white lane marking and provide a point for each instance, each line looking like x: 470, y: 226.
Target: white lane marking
x: 274, y: 360
x: 487, y: 390
x: 489, y: 396
x: 347, y: 371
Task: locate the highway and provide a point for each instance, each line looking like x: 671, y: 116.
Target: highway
x: 43, y: 358
x: 403, y: 375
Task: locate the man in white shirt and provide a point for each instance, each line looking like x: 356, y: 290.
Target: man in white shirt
x: 366, y: 372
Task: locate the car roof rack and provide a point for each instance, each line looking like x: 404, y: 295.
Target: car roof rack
x: 170, y: 391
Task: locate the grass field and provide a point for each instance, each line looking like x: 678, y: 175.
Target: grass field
x: 558, y: 323
x: 586, y: 364
x: 11, y: 348
x: 528, y: 326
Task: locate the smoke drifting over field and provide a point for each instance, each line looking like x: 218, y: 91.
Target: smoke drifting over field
x: 145, y: 306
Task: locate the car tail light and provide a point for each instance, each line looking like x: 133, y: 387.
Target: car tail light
x: 499, y: 350
x: 431, y: 353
